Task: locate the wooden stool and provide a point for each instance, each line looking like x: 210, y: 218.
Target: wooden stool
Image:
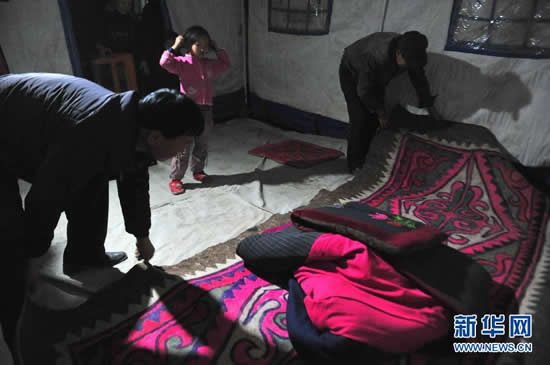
x: 115, y: 72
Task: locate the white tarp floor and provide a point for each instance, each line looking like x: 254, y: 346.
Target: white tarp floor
x: 243, y: 191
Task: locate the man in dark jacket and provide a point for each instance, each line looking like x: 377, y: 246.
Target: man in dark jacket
x: 366, y: 68
x: 68, y: 137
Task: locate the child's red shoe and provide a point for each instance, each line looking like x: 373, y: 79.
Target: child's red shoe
x: 200, y: 176
x: 176, y: 187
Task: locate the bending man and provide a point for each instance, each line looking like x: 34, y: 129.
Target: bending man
x: 366, y: 68
x: 68, y: 137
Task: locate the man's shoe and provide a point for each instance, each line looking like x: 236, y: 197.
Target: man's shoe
x: 200, y: 176
x: 176, y: 187
x: 108, y: 260
x: 115, y: 257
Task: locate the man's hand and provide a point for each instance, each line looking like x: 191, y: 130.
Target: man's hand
x: 144, y: 249
x: 178, y: 43
x: 382, y: 119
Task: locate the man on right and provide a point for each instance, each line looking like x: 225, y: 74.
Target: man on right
x: 366, y: 68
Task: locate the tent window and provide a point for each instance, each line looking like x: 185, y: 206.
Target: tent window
x: 508, y: 28
x: 309, y: 17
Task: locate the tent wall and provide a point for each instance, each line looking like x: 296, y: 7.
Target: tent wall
x: 296, y: 77
x: 507, y: 95
x: 32, y: 37
x: 302, y: 71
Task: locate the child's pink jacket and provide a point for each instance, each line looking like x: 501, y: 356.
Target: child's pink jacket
x: 196, y: 73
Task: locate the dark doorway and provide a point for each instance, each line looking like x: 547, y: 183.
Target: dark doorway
x: 106, y: 40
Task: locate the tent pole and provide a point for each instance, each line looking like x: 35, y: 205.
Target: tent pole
x: 384, y: 15
x: 244, y: 32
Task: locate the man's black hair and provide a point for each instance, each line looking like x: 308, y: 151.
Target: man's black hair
x: 192, y: 36
x: 170, y: 112
x: 412, y: 46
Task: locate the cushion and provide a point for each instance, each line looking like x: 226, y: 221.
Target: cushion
x: 378, y: 229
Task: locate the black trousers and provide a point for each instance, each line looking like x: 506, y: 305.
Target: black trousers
x: 276, y: 260
x: 86, y: 232
x: 87, y: 217
x: 362, y: 123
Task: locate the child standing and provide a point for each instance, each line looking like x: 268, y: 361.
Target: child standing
x: 195, y: 72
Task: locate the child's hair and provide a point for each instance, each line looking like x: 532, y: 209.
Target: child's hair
x: 163, y: 109
x: 192, y: 36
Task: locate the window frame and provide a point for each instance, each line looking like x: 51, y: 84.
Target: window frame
x: 289, y: 10
x: 495, y: 50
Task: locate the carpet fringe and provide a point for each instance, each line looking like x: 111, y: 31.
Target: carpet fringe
x: 387, y: 164
x: 539, y: 283
x: 145, y: 301
x: 212, y: 269
x: 458, y: 144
